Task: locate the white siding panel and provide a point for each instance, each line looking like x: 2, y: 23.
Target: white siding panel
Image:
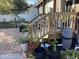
x: 48, y: 6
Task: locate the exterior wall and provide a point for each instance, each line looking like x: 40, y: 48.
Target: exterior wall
x: 7, y: 18
x: 45, y: 7
x: 41, y: 9
x: 31, y: 14
x: 48, y: 6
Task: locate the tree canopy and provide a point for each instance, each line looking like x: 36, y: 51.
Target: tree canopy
x: 13, y: 6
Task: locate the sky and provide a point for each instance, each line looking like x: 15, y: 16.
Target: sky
x: 31, y: 1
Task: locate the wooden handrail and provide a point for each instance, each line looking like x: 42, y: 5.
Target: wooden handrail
x: 36, y: 19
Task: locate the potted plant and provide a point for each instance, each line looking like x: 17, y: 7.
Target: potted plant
x: 33, y: 42
x: 25, y: 28
x: 53, y: 53
x: 53, y: 44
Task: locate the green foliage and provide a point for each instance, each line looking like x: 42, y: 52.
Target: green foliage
x: 25, y: 30
x: 53, y: 44
x: 34, y: 38
x: 25, y: 27
x: 30, y: 56
x: 22, y: 40
x: 71, y: 54
x: 77, y: 54
x: 13, y: 6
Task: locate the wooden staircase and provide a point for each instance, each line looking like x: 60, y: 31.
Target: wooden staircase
x: 49, y: 25
x: 40, y: 26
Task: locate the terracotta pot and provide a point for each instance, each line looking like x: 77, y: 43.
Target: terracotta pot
x: 32, y: 46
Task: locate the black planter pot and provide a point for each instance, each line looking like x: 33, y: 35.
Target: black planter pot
x: 54, y: 55
x: 40, y: 55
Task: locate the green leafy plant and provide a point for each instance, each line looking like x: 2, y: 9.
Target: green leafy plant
x: 13, y: 6
x: 70, y: 54
x: 25, y: 30
x: 34, y: 38
x: 77, y: 54
x: 22, y: 40
x: 30, y: 56
x: 25, y: 27
x: 53, y: 44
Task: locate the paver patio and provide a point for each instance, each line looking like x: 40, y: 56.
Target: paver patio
x: 9, y: 47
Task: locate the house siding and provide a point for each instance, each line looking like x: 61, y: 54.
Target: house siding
x: 48, y: 6
x: 7, y: 18
x: 30, y: 14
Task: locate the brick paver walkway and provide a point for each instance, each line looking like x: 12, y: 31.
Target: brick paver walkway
x: 9, y: 47
x: 12, y: 56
